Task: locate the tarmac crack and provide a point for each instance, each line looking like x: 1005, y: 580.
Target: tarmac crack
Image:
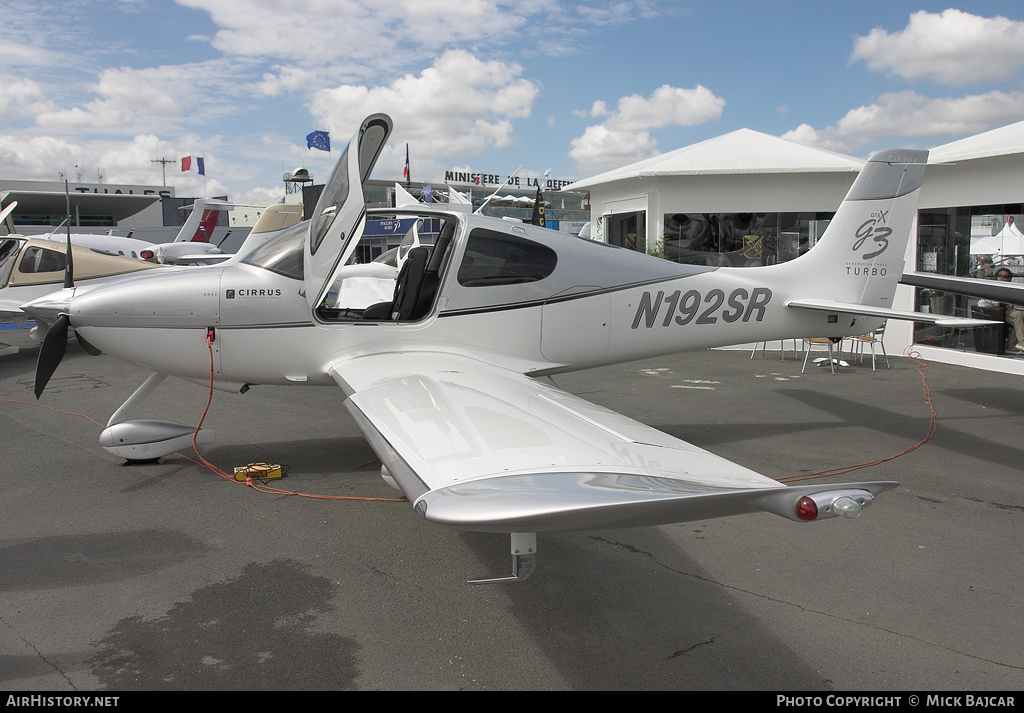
x: 1001, y: 506
x: 683, y: 652
x: 775, y: 600
x: 39, y: 654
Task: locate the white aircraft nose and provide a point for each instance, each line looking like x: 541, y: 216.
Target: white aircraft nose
x: 48, y: 307
x: 180, y: 298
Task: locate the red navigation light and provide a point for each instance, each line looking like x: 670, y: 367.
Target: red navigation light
x: 806, y: 509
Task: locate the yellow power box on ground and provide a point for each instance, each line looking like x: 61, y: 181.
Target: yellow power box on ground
x: 257, y: 470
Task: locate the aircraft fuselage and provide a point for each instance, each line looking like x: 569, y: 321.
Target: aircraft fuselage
x: 598, y: 306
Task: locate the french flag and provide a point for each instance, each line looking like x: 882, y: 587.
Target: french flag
x: 188, y: 164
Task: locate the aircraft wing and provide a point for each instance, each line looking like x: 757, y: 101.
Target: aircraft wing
x: 11, y: 312
x: 479, y: 447
x: 198, y: 258
x: 940, y: 320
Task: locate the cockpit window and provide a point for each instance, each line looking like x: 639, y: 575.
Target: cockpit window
x: 494, y: 258
x: 332, y: 199
x: 36, y: 259
x: 282, y: 253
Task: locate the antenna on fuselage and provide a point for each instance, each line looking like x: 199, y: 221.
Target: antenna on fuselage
x: 69, y: 266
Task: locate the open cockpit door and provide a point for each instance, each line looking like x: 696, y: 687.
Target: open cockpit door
x: 340, y: 213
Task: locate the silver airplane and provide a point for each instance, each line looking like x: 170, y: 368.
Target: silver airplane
x: 440, y: 375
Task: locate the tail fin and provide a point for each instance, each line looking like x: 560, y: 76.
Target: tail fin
x: 199, y: 225
x: 860, y: 257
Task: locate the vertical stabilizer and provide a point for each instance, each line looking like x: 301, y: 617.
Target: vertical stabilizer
x: 199, y: 225
x: 859, y: 259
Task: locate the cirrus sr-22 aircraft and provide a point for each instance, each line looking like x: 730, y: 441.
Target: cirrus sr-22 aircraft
x: 440, y: 377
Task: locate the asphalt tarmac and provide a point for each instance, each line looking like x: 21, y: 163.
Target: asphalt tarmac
x: 167, y: 576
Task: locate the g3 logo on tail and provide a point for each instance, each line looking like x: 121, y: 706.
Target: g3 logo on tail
x: 874, y: 228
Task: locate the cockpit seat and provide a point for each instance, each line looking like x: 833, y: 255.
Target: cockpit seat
x: 407, y: 290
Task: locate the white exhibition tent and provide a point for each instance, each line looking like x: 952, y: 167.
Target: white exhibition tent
x: 1008, y: 241
x: 1004, y: 141
x: 740, y: 152
x: 984, y: 169
x: 980, y: 170
x: 744, y: 171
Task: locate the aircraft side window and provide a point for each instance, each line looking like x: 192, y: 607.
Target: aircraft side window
x: 494, y: 258
x: 41, y: 260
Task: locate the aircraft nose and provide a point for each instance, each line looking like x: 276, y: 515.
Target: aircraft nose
x: 49, y: 307
x: 173, y: 299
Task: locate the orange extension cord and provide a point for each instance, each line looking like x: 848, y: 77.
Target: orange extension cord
x: 251, y: 482
x: 909, y: 354
x: 210, y: 466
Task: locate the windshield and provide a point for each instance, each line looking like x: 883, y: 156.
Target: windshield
x: 282, y: 253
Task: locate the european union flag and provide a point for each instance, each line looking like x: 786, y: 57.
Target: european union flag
x: 319, y: 140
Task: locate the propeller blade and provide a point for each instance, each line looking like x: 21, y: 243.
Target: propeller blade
x: 93, y: 351
x: 52, y: 351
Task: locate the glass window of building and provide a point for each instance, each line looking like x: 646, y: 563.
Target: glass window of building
x: 966, y: 241
x: 739, y: 239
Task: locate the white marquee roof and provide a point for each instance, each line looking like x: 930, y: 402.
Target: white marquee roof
x: 998, y: 142
x: 744, y: 151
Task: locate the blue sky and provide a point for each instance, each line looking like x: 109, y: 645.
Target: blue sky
x: 484, y: 85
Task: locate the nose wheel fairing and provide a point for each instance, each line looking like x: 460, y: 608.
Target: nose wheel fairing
x: 147, y: 439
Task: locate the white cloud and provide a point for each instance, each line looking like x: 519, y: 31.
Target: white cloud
x: 461, y: 105
x: 601, y: 149
x: 340, y: 59
x: 23, y: 97
x: 908, y: 114
x: 38, y: 158
x: 287, y: 79
x: 149, y: 99
x: 15, y: 54
x: 624, y: 136
x: 952, y: 48
x: 368, y: 33
x: 667, y: 106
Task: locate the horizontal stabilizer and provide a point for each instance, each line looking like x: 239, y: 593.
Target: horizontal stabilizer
x: 940, y: 320
x: 1010, y: 292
